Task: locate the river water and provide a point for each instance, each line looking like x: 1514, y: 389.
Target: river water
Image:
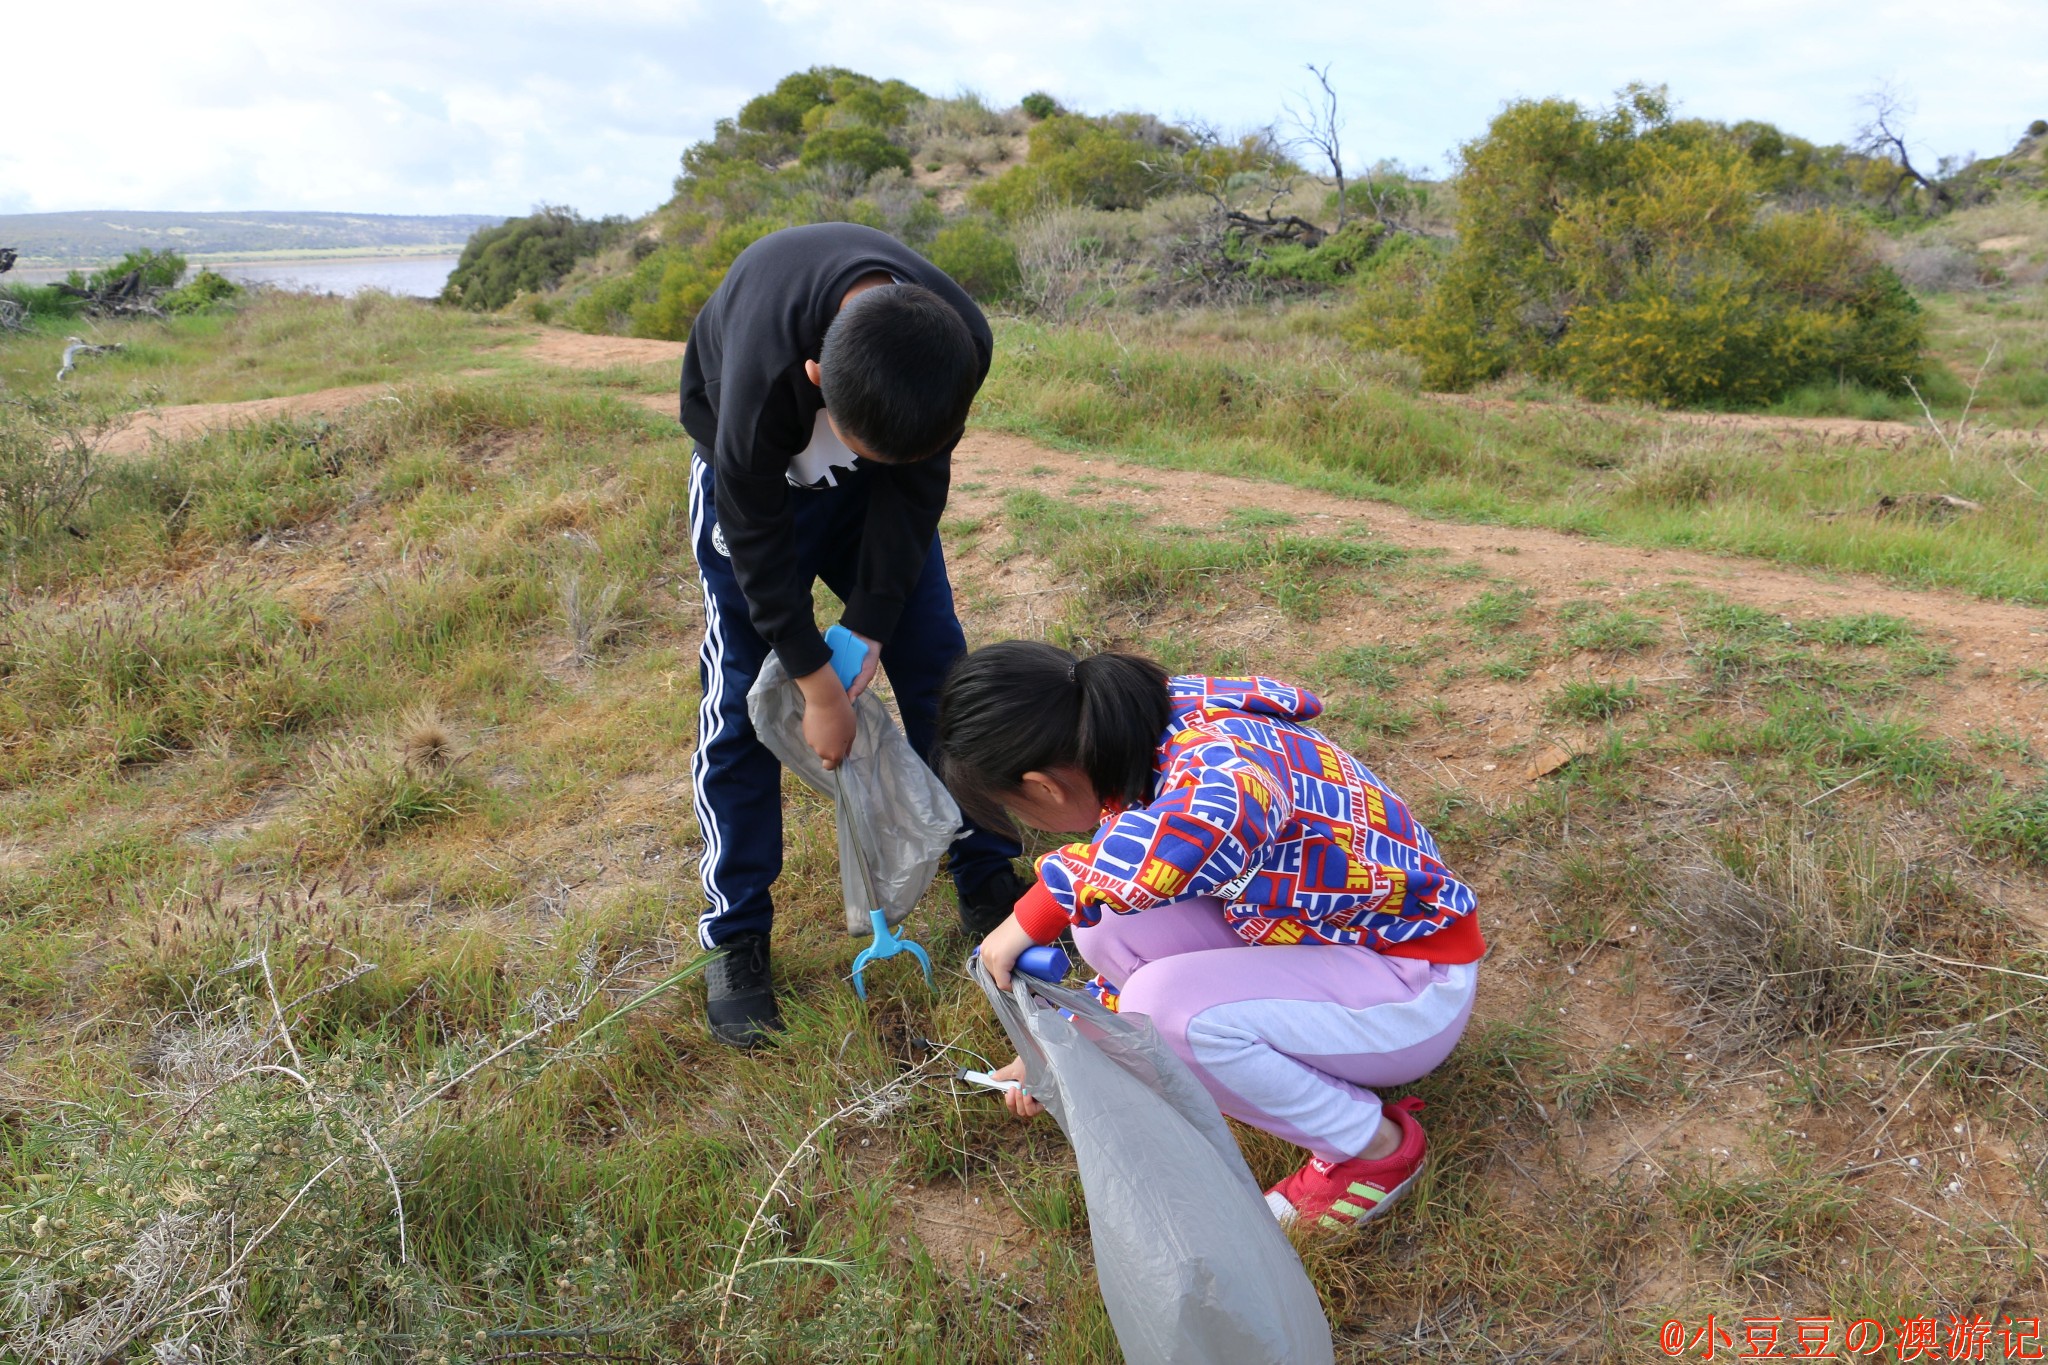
x: 419, y: 276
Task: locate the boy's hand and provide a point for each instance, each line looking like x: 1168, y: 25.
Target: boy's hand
x: 1001, y: 949
x: 867, y: 668
x: 828, y: 716
x: 1016, y: 1101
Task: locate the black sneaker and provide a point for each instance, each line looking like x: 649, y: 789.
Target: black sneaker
x: 740, y: 999
x: 990, y: 902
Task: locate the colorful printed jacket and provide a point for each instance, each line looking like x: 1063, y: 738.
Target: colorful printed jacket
x: 1298, y: 838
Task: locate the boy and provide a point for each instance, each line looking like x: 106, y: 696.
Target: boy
x: 826, y: 383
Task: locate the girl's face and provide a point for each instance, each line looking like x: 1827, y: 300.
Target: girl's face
x: 1062, y: 801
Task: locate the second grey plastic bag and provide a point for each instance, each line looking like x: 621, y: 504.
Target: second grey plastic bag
x: 908, y: 819
x: 1194, y: 1268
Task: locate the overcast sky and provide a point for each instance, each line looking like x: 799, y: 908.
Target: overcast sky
x: 414, y: 106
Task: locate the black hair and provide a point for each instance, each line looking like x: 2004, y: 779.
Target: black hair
x: 899, y: 371
x: 1021, y: 706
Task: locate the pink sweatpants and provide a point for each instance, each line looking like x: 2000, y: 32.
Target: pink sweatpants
x: 1286, y: 1038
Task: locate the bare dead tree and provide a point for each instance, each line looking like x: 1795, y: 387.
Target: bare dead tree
x: 1206, y: 264
x: 1319, y: 127
x: 1883, y: 136
x: 1245, y: 204
x: 125, y: 296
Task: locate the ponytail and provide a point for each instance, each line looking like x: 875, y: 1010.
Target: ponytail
x: 1021, y: 706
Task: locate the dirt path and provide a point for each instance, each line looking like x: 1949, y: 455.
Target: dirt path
x: 1546, y: 560
x: 187, y: 420
x: 578, y: 351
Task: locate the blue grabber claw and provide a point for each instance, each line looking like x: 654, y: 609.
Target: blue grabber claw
x: 848, y: 654
x: 887, y: 944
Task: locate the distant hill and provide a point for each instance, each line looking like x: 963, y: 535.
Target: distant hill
x: 95, y: 236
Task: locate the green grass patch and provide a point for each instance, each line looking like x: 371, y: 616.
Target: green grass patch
x: 1608, y: 630
x: 1497, y: 609
x: 2012, y: 824
x: 1591, y: 699
x: 1126, y: 564
x: 277, y: 344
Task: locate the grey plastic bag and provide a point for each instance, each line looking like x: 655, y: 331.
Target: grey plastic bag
x: 1193, y: 1266
x: 908, y: 819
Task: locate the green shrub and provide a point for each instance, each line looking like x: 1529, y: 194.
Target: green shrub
x: 666, y: 290
x: 159, y: 270
x: 1039, y: 106
x: 805, y: 101
x: 1339, y: 257
x: 864, y: 148
x: 202, y: 293
x: 1627, y: 255
x: 41, y: 300
x: 1104, y: 163
x: 980, y: 259
x: 524, y: 255
x: 1389, y: 294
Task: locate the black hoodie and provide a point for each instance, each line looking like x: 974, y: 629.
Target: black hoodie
x: 751, y: 408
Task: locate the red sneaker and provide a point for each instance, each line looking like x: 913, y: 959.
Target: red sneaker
x: 1342, y: 1195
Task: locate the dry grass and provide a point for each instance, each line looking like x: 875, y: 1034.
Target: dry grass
x: 591, y: 617
x: 1815, y: 932
x: 363, y: 791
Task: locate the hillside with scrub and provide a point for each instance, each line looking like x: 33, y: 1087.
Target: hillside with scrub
x: 348, y: 695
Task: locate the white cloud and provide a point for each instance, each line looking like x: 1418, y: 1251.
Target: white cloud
x: 466, y: 106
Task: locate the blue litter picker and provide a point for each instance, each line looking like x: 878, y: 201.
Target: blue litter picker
x: 895, y: 817
x: 888, y: 943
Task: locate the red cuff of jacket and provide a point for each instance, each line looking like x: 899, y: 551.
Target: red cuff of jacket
x: 1039, y: 915
x: 1459, y: 941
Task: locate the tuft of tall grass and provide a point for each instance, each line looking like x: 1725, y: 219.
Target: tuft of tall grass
x: 1816, y: 931
x: 1497, y: 609
x: 364, y: 791
x: 49, y: 458
x: 134, y: 679
x: 1607, y: 630
x: 1591, y: 699
x: 590, y: 616
x: 2013, y: 824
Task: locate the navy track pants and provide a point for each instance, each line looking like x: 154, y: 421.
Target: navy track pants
x: 738, y: 783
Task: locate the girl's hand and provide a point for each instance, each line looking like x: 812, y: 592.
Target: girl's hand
x: 1001, y: 949
x: 1018, y: 1103
x: 829, y: 726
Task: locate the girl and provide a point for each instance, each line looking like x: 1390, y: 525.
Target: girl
x: 1273, y: 907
